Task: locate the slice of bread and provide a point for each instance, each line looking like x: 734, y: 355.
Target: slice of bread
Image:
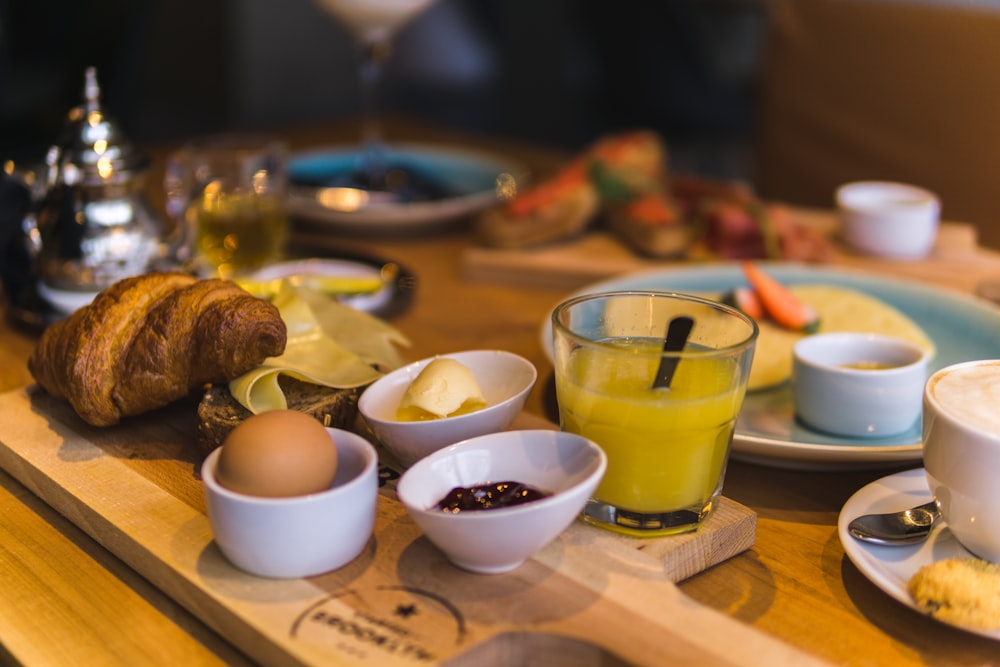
x: 219, y: 413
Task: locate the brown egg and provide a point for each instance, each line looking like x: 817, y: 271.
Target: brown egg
x: 277, y: 454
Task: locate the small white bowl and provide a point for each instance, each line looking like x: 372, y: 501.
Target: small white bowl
x: 300, y: 536
x: 505, y: 379
x: 888, y: 219
x: 832, y: 394
x: 492, y: 541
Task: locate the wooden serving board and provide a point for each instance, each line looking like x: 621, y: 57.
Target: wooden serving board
x: 590, y: 597
x: 599, y: 255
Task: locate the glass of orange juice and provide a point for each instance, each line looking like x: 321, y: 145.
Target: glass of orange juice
x: 667, y: 447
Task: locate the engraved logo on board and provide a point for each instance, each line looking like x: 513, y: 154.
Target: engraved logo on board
x: 402, y: 622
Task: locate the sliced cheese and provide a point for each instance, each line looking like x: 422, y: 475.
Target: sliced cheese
x: 353, y: 354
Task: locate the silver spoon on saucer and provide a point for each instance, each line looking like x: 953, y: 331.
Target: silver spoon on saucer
x: 896, y: 528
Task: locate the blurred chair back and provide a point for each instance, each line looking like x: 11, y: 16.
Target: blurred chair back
x: 883, y: 89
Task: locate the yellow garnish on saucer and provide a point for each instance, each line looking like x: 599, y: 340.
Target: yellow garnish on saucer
x: 330, y: 285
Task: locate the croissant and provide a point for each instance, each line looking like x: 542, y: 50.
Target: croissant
x: 150, y: 340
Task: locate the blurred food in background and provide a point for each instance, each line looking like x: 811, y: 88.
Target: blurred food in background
x: 622, y: 183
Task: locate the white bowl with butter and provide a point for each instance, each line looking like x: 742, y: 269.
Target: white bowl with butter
x: 503, y: 380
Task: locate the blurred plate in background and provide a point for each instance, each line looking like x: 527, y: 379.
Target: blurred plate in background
x: 462, y: 182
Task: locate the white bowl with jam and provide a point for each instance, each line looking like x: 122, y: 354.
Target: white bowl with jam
x: 504, y: 379
x: 491, y: 502
x: 858, y: 384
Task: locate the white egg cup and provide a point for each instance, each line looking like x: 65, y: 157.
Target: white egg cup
x: 301, y: 536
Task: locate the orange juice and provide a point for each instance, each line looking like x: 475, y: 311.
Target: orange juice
x: 667, y: 448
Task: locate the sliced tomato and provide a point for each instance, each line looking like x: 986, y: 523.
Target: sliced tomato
x: 568, y: 179
x: 653, y: 209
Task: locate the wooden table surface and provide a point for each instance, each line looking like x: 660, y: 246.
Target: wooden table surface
x: 65, y: 600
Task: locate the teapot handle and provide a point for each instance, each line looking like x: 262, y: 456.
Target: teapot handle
x: 19, y: 242
x: 23, y: 193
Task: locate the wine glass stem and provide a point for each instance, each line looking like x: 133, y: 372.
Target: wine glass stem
x: 373, y: 57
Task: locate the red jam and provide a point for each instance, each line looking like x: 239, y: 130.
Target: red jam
x: 494, y: 495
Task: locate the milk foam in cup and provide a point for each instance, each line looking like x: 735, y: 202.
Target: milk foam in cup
x: 961, y: 428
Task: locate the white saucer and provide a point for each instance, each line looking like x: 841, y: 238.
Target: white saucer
x: 890, y: 568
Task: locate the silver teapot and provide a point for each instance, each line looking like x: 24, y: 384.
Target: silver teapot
x: 92, y: 224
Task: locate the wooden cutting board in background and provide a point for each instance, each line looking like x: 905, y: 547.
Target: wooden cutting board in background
x: 956, y: 258
x: 589, y: 598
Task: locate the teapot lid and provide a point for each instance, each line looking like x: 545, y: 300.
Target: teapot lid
x: 92, y: 149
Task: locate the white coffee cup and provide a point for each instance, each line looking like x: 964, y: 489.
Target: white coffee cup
x: 961, y: 429
x: 888, y: 219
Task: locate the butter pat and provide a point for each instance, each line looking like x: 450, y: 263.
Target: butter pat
x: 444, y: 388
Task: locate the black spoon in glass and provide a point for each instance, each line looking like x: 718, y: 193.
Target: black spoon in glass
x: 677, y: 334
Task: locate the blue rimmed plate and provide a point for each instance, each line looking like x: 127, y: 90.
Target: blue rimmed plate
x: 962, y: 328
x: 466, y: 180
